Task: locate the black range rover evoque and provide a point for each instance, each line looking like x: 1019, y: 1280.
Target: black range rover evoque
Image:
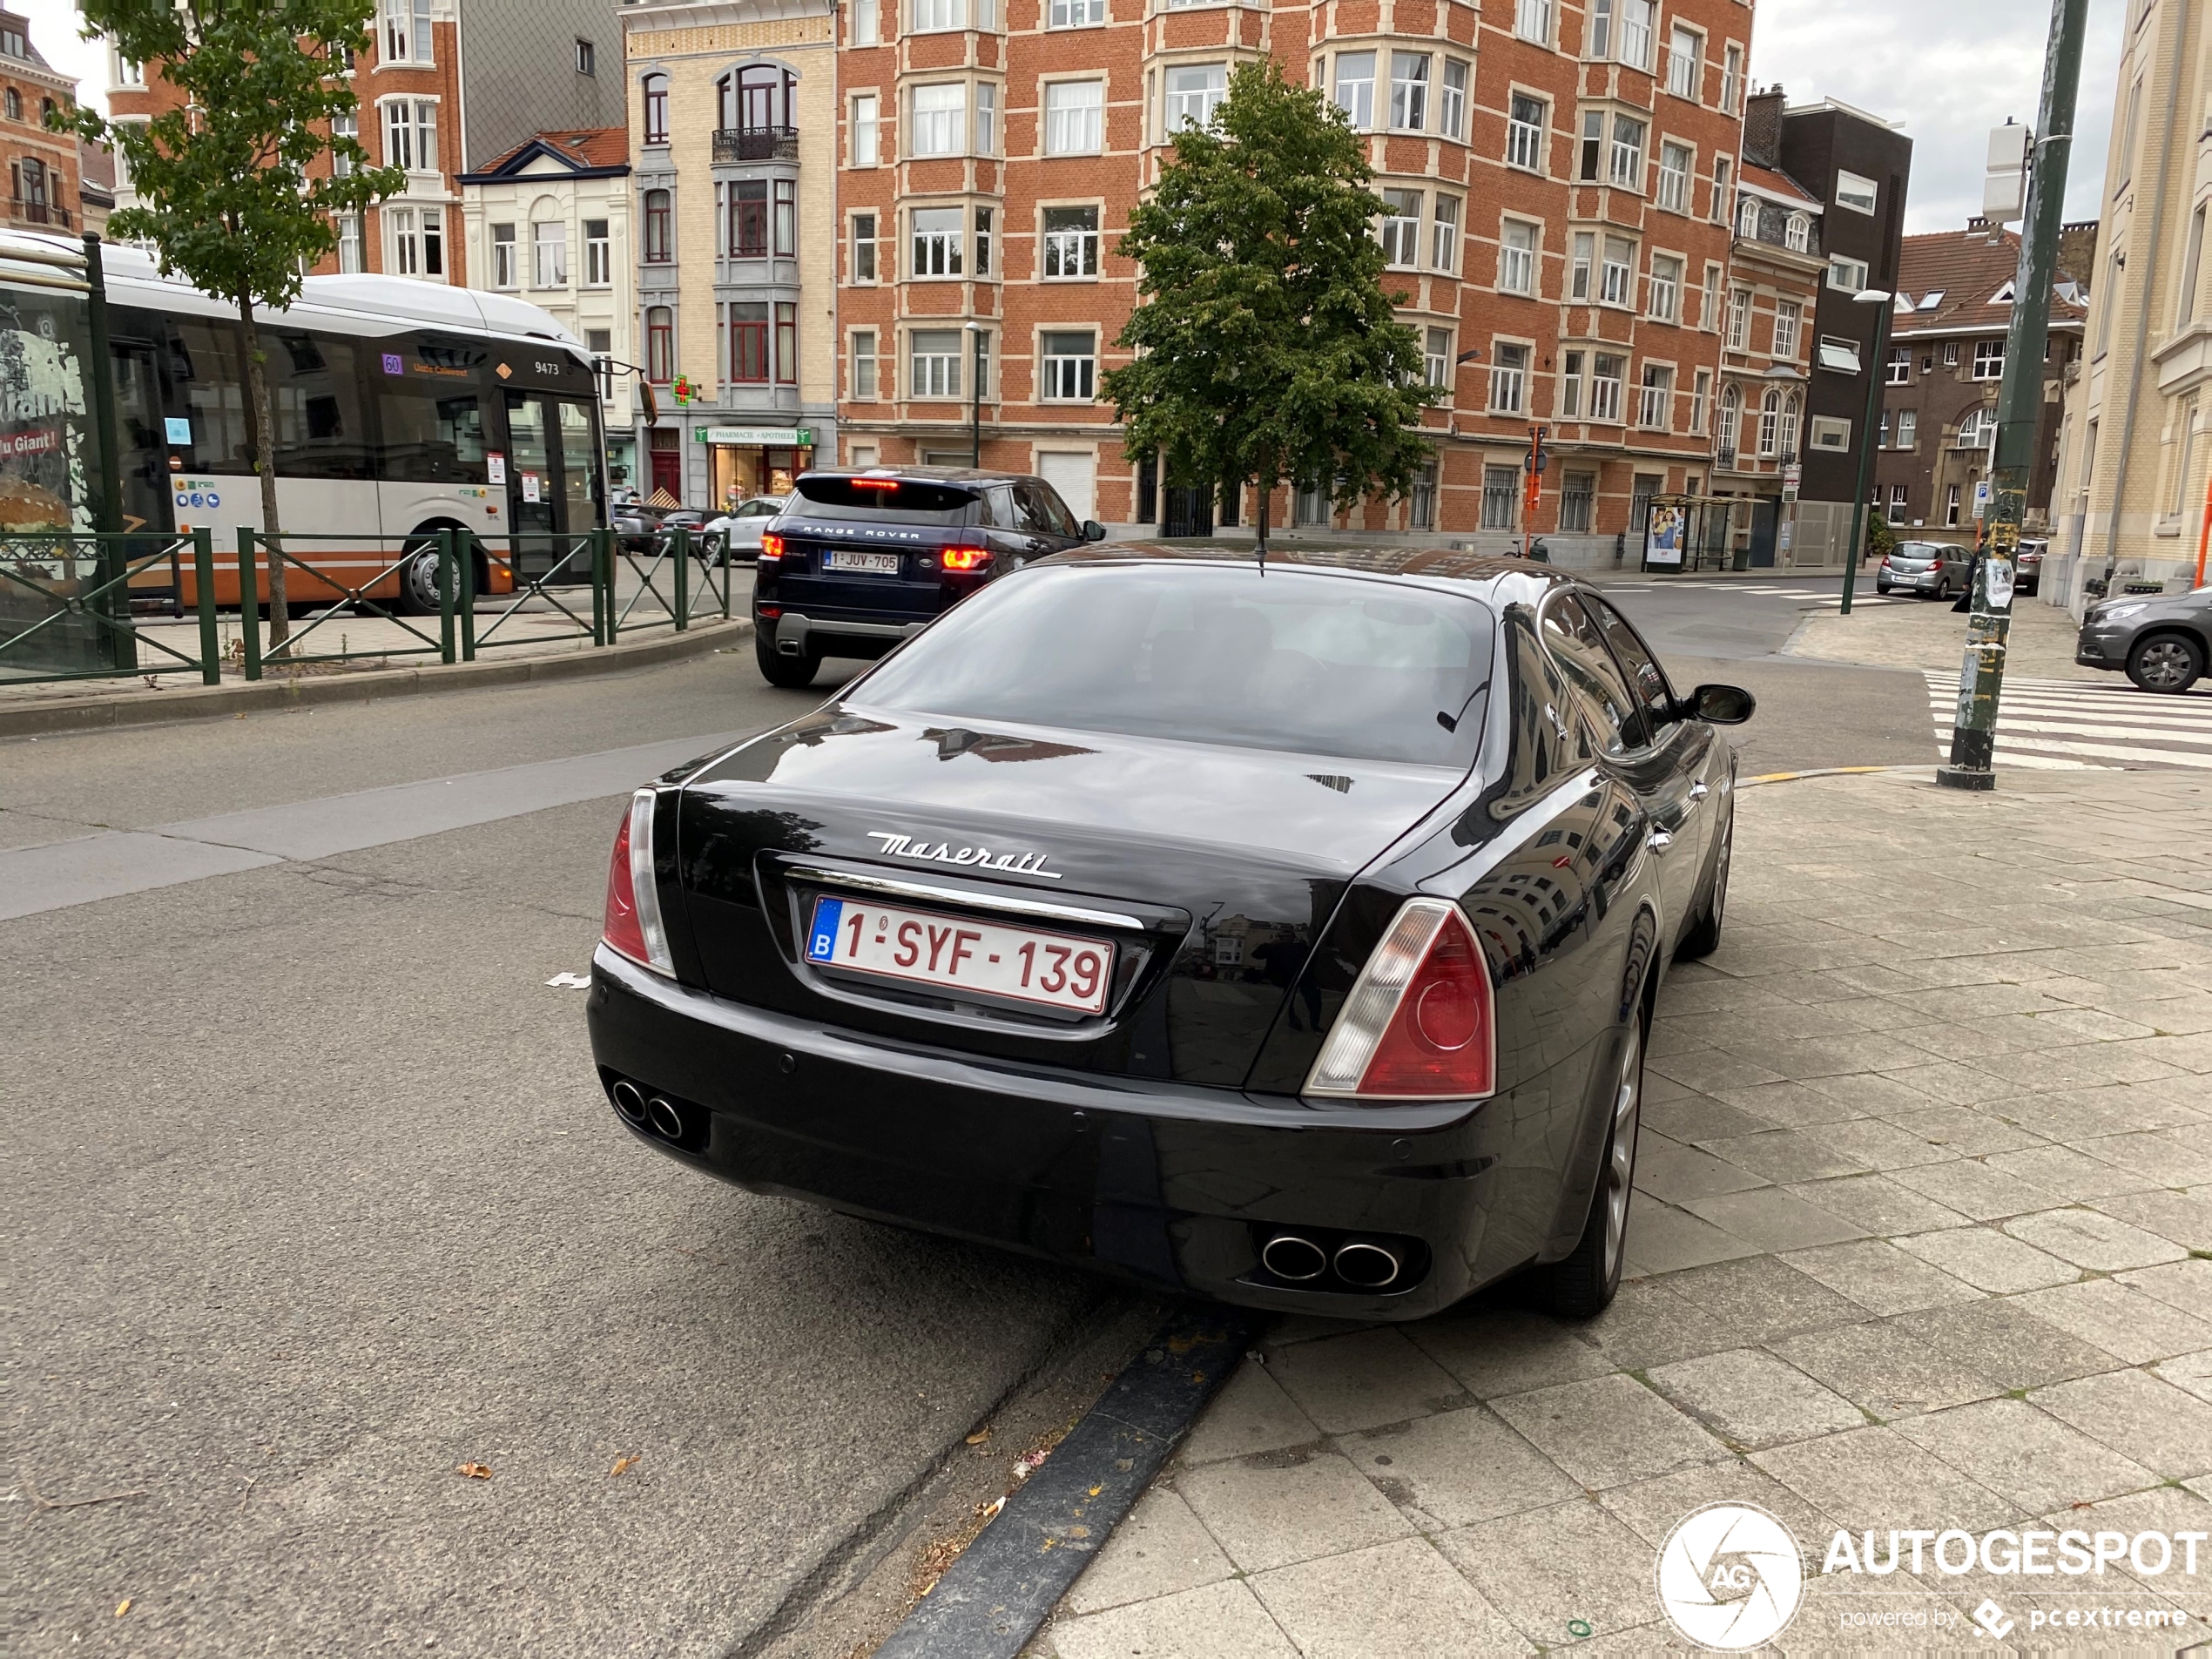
x: 1287, y: 934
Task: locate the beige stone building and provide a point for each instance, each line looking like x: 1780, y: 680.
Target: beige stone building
x: 732, y: 143
x: 2132, y: 471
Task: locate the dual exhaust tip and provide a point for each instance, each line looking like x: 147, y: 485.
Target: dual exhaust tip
x: 641, y: 1110
x: 1361, y: 1263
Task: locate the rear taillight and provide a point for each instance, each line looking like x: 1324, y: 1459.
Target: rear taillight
x: 965, y: 558
x: 1418, y: 1023
x: 633, y: 925
x: 772, y: 547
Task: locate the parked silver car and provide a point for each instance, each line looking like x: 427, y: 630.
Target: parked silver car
x: 737, y: 532
x: 1933, y: 569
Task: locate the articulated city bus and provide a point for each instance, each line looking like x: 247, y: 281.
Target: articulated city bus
x: 401, y: 409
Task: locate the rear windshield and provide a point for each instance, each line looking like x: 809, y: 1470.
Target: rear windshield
x: 1288, y: 660
x: 882, y: 501
x: 1919, y: 550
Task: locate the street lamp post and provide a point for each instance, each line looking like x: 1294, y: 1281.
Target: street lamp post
x: 975, y: 395
x: 1876, y: 371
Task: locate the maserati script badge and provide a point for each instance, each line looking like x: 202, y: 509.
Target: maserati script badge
x: 979, y: 858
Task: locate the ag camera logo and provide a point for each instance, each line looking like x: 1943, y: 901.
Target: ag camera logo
x: 1730, y: 1577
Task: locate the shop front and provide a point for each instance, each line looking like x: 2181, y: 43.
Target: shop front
x: 753, y: 460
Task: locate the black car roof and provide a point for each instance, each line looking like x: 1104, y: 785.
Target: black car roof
x: 921, y: 475
x: 1508, y: 580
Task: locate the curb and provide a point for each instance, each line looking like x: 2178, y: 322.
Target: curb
x: 1826, y: 771
x: 283, y: 691
x: 992, y: 1599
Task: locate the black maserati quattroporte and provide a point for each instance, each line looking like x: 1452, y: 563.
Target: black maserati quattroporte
x: 1285, y: 933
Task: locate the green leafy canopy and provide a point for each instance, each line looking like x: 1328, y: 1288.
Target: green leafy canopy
x: 224, y: 198
x: 1266, y: 347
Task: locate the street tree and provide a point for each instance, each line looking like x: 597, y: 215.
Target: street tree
x: 229, y: 194
x: 1266, y: 345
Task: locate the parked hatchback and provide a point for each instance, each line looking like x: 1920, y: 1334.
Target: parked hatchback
x: 2161, y: 641
x: 1933, y: 569
x: 859, y: 561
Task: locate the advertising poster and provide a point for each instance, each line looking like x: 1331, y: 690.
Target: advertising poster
x: 1663, y: 541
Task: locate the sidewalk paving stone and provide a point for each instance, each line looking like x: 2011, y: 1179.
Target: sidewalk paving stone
x: 2167, y: 1430
x: 2187, y: 1286
x: 2121, y: 1320
x: 1608, y: 1431
x: 1362, y: 1380
x: 1160, y: 1549
x: 1550, y: 1568
x: 1226, y: 1618
x: 1790, y: 1105
x: 1988, y: 1260
x: 2089, y: 1239
x: 1264, y: 1511
x: 1974, y: 1189
x: 1878, y: 1204
x: 1401, y: 1600
x: 1880, y: 1278
x: 1764, y: 1298
x: 1492, y: 1348
x: 1252, y: 1414
x: 1883, y: 1369
x: 1752, y: 1400
x: 2185, y: 1218
x: 2067, y: 1173
x: 2032, y: 1460
x: 1676, y: 1173
x: 1875, y: 1478
x: 2001, y: 1338
x: 1668, y: 1240
x: 1773, y: 1220
x: 1456, y: 1468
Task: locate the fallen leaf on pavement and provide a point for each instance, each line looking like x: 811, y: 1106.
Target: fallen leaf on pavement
x: 475, y: 1471
x: 123, y: 1607
x: 621, y: 1463
x: 979, y: 1437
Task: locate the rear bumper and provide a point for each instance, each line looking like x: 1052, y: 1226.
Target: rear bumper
x: 1168, y: 1185
x: 795, y: 634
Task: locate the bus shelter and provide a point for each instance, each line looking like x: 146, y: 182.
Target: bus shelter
x: 1683, y: 532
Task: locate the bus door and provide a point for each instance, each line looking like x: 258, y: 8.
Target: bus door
x: 144, y: 458
x: 552, y: 482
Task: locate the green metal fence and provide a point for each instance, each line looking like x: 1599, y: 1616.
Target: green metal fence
x: 65, y: 604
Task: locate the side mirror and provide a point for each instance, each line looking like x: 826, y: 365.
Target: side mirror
x: 1720, y: 704
x: 1093, y: 530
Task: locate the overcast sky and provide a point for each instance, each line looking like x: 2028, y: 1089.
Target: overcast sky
x: 1947, y: 69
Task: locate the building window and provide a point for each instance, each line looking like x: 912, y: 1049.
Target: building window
x: 1830, y: 432
x: 1635, y: 33
x: 127, y: 73
x: 868, y: 128
x: 660, y: 245
x: 549, y: 254
x: 1452, y: 102
x: 1989, y: 360
x: 1619, y: 273
x: 983, y: 242
x: 1739, y: 318
x: 1899, y: 372
x: 1908, y: 429
x: 418, y: 241
x: 1531, y: 20
x: 1421, y: 506
x: 1508, y: 379
x: 1500, y: 496
x: 1525, y: 132
x: 587, y: 57
x: 1722, y: 173
x: 1436, y: 357
x: 1685, y: 62
x: 1708, y: 304
x: 2192, y: 267
x: 863, y: 266
x: 1194, y: 91
x: 1409, y: 92
x: 1627, y: 152
x: 1078, y: 13
x: 1075, y: 117
x: 411, y: 134
x: 1731, y: 79
x: 1070, y: 366
x: 598, y: 255
x: 1607, y: 375
x: 1666, y: 288
x: 936, y: 242
x: 1517, y: 257
x: 1674, y: 176
x: 1790, y: 426
x: 1796, y: 234
x: 1950, y: 505
x: 656, y: 104
x: 1747, y: 219
x: 1850, y: 275
x: 1731, y: 427
x: 1788, y: 318
x: 1567, y: 400
x: 863, y: 362
x: 748, y: 217
x: 788, y: 342
x: 749, y: 344
x: 868, y: 23
x: 1976, y: 428
x: 1856, y: 194
x: 1070, y: 242
x: 349, y: 243
x: 1401, y: 227
x: 1578, y: 502
x: 986, y: 117
x: 1593, y: 156
x: 660, y: 344
x: 931, y: 17
x: 14, y: 104
x: 1700, y: 395
x: 1578, y: 279
x: 503, y: 271
x: 406, y: 31
x: 939, y: 112
x: 1769, y: 421
x: 1597, y: 30
x: 935, y: 354
x: 786, y: 219
x: 1356, y: 88
x: 1653, y: 396
x: 1444, y: 234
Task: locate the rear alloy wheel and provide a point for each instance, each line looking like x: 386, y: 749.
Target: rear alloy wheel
x: 1704, y: 935
x: 791, y: 672
x: 2166, y: 662
x: 1584, y: 1285
x: 419, y: 583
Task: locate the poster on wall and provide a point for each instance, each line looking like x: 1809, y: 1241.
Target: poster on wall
x: 1662, y: 540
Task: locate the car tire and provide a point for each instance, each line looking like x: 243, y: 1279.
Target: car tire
x: 790, y: 672
x: 1704, y: 935
x: 2165, y: 663
x: 1582, y: 1285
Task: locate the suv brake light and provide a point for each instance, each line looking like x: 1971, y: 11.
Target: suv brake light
x: 1420, y: 1023
x: 771, y: 546
x: 965, y: 558
x: 633, y: 924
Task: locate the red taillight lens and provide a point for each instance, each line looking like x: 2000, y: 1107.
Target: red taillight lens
x: 965, y: 558
x: 1418, y: 1023
x: 633, y: 922
x: 772, y: 547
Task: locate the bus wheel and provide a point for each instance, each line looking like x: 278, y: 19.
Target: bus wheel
x: 419, y: 582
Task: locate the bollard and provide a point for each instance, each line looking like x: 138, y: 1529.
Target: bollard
x: 203, y: 576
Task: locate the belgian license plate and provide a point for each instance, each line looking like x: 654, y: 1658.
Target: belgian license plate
x: 957, y: 952
x: 866, y: 563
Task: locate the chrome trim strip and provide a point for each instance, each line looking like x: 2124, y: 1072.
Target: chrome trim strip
x: 1006, y: 902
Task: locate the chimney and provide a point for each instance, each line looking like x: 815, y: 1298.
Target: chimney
x: 1763, y: 128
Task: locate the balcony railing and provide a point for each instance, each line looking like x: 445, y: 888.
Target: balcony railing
x: 27, y: 213
x: 757, y: 144
x: 1724, y: 457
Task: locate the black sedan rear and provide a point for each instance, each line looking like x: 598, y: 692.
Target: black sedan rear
x: 1288, y: 935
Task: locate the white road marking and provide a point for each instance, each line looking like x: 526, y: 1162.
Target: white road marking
x: 572, y: 982
x: 2069, y: 724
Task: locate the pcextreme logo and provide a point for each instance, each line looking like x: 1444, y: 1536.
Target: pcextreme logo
x: 1730, y: 1577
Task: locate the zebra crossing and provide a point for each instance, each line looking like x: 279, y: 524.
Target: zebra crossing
x: 1832, y: 595
x: 2075, y: 725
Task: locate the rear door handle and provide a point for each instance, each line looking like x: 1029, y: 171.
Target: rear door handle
x: 1698, y: 792
x: 1658, y: 841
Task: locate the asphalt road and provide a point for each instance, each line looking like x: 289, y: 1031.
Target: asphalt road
x: 312, y: 1199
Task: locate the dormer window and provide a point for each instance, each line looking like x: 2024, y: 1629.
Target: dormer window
x: 1747, y: 217
x: 1798, y: 236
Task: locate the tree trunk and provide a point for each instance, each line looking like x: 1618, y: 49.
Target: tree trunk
x: 261, y: 425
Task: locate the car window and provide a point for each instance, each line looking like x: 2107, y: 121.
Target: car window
x: 1048, y: 513
x: 872, y: 498
x: 999, y: 511
x: 1553, y: 731
x: 1646, y: 679
x: 1575, y: 643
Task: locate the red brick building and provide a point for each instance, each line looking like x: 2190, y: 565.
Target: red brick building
x: 1560, y: 181
x: 43, y: 183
